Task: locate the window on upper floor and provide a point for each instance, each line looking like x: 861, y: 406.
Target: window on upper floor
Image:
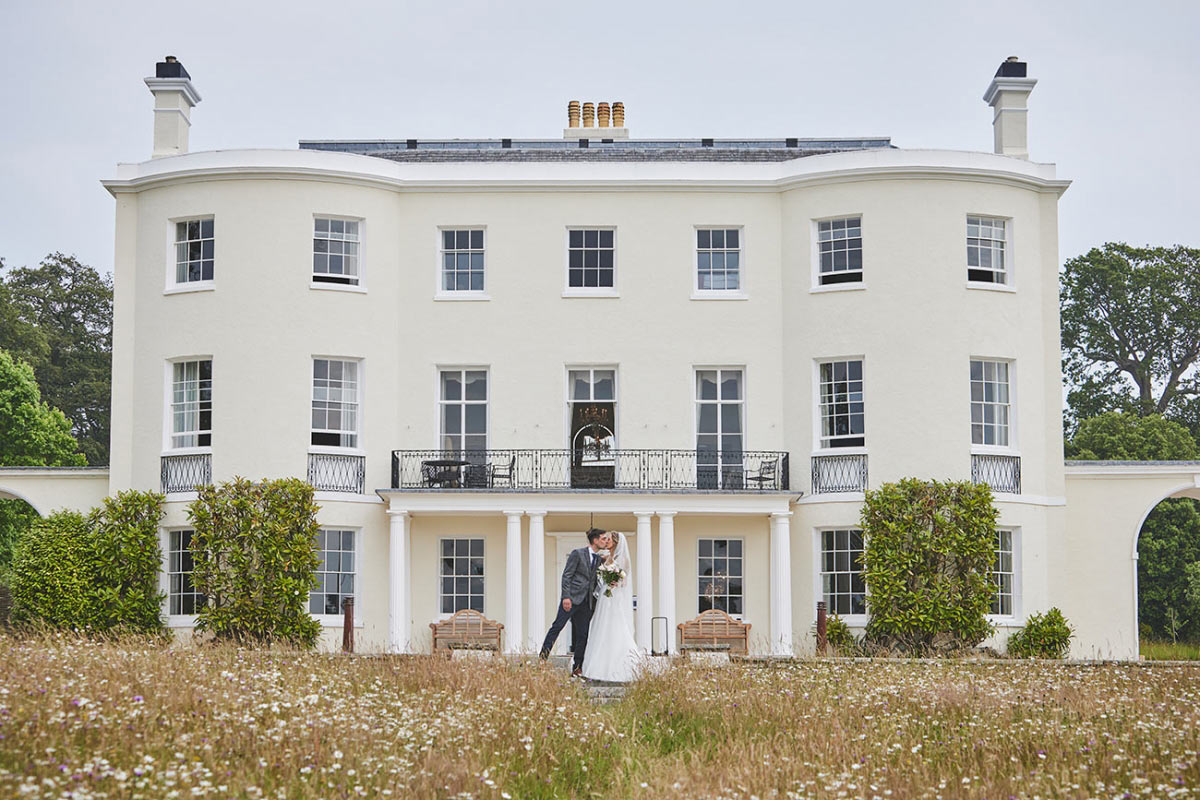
x: 839, y: 249
x: 720, y: 415
x: 986, y: 246
x: 191, y: 403
x: 462, y: 260
x: 336, y: 256
x: 335, y: 402
x: 990, y: 408
x: 843, y: 419
x: 720, y: 574
x: 462, y: 408
x: 718, y: 259
x: 1004, y: 574
x: 461, y: 575
x: 182, y: 597
x: 194, y: 246
x: 591, y: 258
x: 333, y: 581
x: 842, y: 585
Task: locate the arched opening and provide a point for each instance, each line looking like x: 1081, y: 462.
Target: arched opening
x: 1167, y: 553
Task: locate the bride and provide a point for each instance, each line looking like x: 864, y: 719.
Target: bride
x: 612, y: 654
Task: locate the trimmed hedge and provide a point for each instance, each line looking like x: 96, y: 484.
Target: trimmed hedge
x: 96, y: 572
x: 1044, y: 636
x: 254, y: 560
x: 929, y: 550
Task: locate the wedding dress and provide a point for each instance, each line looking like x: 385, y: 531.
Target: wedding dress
x: 612, y: 654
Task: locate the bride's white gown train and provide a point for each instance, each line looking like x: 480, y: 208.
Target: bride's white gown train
x: 612, y: 653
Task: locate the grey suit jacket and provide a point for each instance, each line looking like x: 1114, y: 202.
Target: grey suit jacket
x: 579, y: 578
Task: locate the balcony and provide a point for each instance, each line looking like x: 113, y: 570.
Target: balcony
x: 623, y: 470
x: 1001, y: 473
x: 183, y: 473
x: 840, y: 473
x: 334, y: 472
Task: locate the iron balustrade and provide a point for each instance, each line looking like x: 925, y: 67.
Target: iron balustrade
x: 183, y: 473
x: 629, y: 470
x: 840, y: 473
x: 1002, y: 473
x: 333, y: 472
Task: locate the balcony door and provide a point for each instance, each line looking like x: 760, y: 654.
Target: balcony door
x: 592, y: 427
x: 720, y: 417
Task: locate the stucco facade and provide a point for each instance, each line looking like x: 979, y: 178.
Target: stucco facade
x: 914, y: 323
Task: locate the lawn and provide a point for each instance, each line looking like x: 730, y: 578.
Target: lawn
x: 1170, y: 651
x: 84, y: 719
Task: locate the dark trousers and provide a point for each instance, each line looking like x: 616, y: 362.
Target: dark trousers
x: 580, y: 617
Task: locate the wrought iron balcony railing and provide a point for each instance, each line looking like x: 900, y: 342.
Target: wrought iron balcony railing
x: 333, y: 472
x: 1002, y: 473
x: 631, y: 470
x: 183, y: 473
x: 840, y: 473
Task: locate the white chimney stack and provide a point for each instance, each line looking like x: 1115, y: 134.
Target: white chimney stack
x: 1008, y: 95
x: 174, y: 99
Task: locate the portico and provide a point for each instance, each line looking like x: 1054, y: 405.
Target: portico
x: 516, y: 541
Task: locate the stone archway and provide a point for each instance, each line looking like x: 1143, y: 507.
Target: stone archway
x: 49, y: 489
x: 1186, y: 491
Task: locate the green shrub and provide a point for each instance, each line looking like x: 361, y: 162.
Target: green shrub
x: 254, y: 560
x: 96, y: 572
x: 929, y: 548
x: 1044, y: 636
x: 839, y: 636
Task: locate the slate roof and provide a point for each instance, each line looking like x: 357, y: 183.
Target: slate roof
x: 570, y: 150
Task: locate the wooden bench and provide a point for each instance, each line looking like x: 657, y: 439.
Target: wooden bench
x: 714, y: 630
x: 466, y: 630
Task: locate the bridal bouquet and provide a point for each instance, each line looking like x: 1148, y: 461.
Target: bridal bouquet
x: 610, y: 575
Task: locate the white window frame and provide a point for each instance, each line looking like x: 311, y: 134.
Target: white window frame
x: 357, y: 448
x: 173, y: 286
x: 1012, y: 448
x: 337, y: 620
x: 467, y: 295
x: 439, y: 436
x: 855, y: 620
x: 361, y: 285
x: 696, y: 401
x: 719, y: 294
x: 616, y: 401
x: 590, y: 291
x: 745, y: 614
x: 1007, y: 285
x: 815, y: 236
x: 819, y: 448
x: 168, y: 406
x: 164, y: 582
x: 446, y: 615
x: 1017, y: 588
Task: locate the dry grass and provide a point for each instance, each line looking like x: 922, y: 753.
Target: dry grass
x: 123, y: 720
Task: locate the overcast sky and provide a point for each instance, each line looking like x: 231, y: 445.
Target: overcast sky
x: 1115, y: 107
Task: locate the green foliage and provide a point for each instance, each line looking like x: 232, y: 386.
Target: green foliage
x: 16, y: 516
x: 255, y: 560
x: 58, y: 318
x: 1168, y: 545
x: 1044, y: 636
x: 1131, y: 329
x: 1116, y: 436
x: 96, y: 572
x: 929, y: 549
x: 839, y: 636
x: 31, y: 432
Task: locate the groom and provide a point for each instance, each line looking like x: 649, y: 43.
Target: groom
x: 578, y: 596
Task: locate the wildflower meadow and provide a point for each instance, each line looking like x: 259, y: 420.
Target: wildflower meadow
x: 135, y: 719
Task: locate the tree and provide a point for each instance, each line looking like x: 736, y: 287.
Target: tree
x: 929, y: 551
x: 1115, y: 436
x: 58, y: 317
x: 1131, y: 330
x: 254, y: 560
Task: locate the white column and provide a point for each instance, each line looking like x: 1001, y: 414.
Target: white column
x: 781, y: 583
x: 666, y: 575
x: 645, y: 582
x: 536, y: 595
x: 514, y: 639
x: 398, y: 613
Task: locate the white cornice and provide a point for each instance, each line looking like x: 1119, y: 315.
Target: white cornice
x: 182, y: 85
x: 1127, y: 469
x: 1022, y: 85
x: 442, y: 503
x: 380, y: 173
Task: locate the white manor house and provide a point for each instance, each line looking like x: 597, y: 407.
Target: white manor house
x: 476, y: 349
